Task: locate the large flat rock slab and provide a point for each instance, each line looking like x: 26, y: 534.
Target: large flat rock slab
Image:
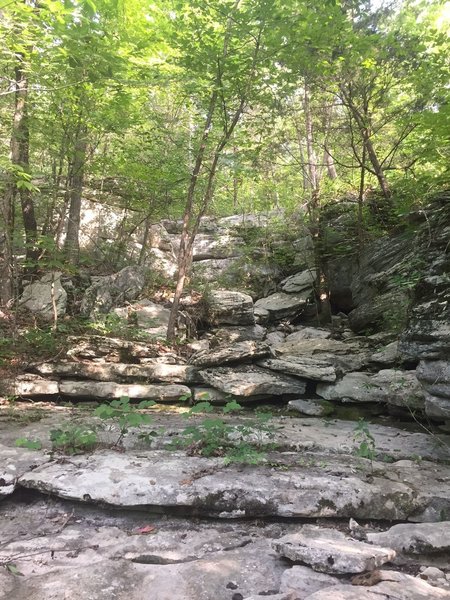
x: 245, y: 351
x: 252, y: 381
x: 415, y: 538
x: 322, y: 487
x: 110, y: 389
x: 305, y: 367
x: 14, y: 462
x: 330, y: 551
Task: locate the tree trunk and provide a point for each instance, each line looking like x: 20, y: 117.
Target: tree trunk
x: 72, y: 245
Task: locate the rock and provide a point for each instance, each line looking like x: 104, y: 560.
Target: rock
x: 308, y: 333
x: 158, y: 237
x: 148, y: 316
x: 281, y: 305
x: 387, y: 356
x: 109, y: 291
x: 437, y: 407
x: 102, y: 348
x: 161, y: 263
x: 231, y: 335
x: 313, y: 408
x: 28, y: 386
x: 261, y: 315
x: 168, y: 373
x: 397, y: 388
x: 209, y: 394
x: 301, y: 366
x: 214, y: 269
x: 110, y: 389
x: 238, y: 352
x: 330, y: 551
x: 386, y: 311
x: 434, y: 375
x: 275, y: 337
x: 303, y: 581
x: 14, y: 463
x: 229, y: 308
x: 417, y: 538
x: 306, y: 280
x: 394, y: 586
x: 248, y: 381
x: 45, y: 296
x: 207, y: 246
x: 157, y: 478
x: 343, y: 356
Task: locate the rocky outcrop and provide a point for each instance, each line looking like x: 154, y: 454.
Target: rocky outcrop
x: 415, y: 538
x: 46, y: 297
x: 229, y: 308
x: 111, y: 389
x: 235, y: 353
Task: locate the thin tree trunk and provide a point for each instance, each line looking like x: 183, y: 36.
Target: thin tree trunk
x: 72, y: 244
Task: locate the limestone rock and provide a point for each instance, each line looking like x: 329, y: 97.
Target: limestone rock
x: 211, y: 269
x: 28, y: 386
x: 398, y: 388
x: 110, y: 291
x: 387, y: 356
x: 312, y: 408
x: 434, y: 375
x: 41, y: 296
x: 229, y: 308
x: 162, y: 263
x: 251, y: 381
x: 386, y: 311
x: 437, y: 407
x: 330, y: 551
x: 301, y: 366
x: 238, y: 352
x: 164, y: 372
x: 209, y: 394
x: 299, y: 282
x: 110, y: 389
x: 415, y: 538
x: 14, y: 462
x: 102, y: 348
x: 148, y: 316
x: 308, y: 333
x: 303, y: 581
x: 230, y: 335
x: 281, y: 305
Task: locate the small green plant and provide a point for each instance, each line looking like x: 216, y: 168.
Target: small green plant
x: 73, y: 439
x: 364, y: 440
x: 30, y: 444
x: 125, y: 415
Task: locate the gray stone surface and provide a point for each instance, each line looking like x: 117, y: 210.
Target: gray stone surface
x: 437, y: 407
x: 330, y: 551
x: 110, y: 389
x: 299, y: 282
x: 434, y: 375
x: 306, y: 367
x: 417, y: 538
x: 399, y: 388
x: 313, y: 408
x: 308, y: 333
x: 229, y: 308
x: 27, y: 386
x: 303, y: 581
x: 252, y: 381
x: 238, y: 352
x: 386, y: 356
x: 41, y: 297
x: 148, y: 316
x: 165, y: 372
x: 14, y: 463
x: 231, y: 335
x: 281, y: 305
x: 100, y: 348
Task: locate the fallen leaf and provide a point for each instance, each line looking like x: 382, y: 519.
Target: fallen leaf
x: 146, y: 529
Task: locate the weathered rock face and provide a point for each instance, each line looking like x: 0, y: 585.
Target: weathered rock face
x: 149, y: 317
x: 45, y: 297
x: 110, y: 389
x: 28, y: 385
x: 238, y: 352
x: 313, y: 408
x: 281, y: 305
x: 417, y: 538
x: 305, y: 280
x: 229, y: 308
x: 386, y: 311
x: 230, y: 335
x: 248, y: 381
x: 301, y: 366
x: 399, y: 388
x: 14, y: 463
x: 109, y: 291
x: 330, y: 551
x: 100, y: 348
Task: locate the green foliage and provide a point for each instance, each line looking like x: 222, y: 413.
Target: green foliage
x: 28, y: 443
x: 73, y: 439
x: 243, y: 443
x: 364, y: 440
x: 125, y: 415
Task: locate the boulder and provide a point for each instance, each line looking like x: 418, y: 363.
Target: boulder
x: 15, y: 462
x: 281, y: 305
x: 309, y: 333
x: 164, y: 372
x: 161, y: 263
x: 229, y: 335
x: 213, y: 269
x: 110, y: 291
x: 45, y: 296
x: 238, y: 352
x: 415, y: 538
x: 249, y: 381
x: 110, y: 389
x: 305, y: 280
x: 312, y: 408
x: 148, y: 316
x: 303, y: 581
x: 28, y: 386
x: 385, y: 311
x: 398, y: 388
x: 387, y: 356
x: 301, y: 366
x: 100, y: 348
x: 435, y: 377
x: 437, y: 407
x: 229, y: 308
x: 216, y: 246
x: 330, y: 551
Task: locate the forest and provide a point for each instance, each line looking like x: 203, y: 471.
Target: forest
x: 213, y: 107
